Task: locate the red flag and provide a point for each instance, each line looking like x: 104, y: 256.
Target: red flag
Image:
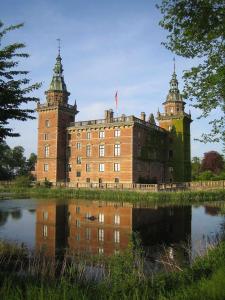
x: 116, y: 99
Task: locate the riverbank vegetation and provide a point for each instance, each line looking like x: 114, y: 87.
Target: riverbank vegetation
x: 180, y: 197
x: 23, y: 276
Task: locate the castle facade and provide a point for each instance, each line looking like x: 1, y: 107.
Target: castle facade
x: 125, y: 149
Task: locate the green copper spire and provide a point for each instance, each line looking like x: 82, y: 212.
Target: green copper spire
x: 174, y: 93
x: 57, y: 83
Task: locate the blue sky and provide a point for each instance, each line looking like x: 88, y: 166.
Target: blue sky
x: 106, y: 46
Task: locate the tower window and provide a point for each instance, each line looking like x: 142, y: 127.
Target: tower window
x: 47, y: 123
x: 45, y: 230
x: 69, y: 167
x: 68, y: 151
x: 117, y: 150
x: 117, y: 219
x: 101, y: 218
x: 45, y: 136
x: 117, y: 180
x: 170, y: 153
x: 69, y: 136
x: 47, y: 151
x: 101, y: 150
x: 46, y: 167
x: 45, y: 215
x: 78, y: 173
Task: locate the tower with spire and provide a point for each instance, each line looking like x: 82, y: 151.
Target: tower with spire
x: 177, y: 122
x: 54, y: 116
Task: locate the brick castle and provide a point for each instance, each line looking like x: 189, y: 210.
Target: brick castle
x: 125, y: 149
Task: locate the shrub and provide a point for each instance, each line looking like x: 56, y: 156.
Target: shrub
x: 22, y: 182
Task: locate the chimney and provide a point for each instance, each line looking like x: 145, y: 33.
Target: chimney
x: 143, y: 115
x: 109, y: 115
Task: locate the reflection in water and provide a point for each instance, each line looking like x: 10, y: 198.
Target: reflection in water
x: 97, y: 228
x: 3, y: 217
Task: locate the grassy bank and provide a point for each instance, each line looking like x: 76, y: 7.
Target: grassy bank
x: 115, y: 195
x: 124, y: 279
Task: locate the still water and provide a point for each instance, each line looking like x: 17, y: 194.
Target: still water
x: 98, y: 227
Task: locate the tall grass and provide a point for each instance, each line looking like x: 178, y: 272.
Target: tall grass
x: 184, y: 197
x: 124, y: 279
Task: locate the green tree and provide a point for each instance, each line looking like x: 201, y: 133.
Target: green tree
x: 31, y: 162
x: 195, y: 167
x: 197, y: 30
x: 14, y: 85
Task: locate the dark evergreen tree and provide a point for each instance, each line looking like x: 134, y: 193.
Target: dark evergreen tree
x: 14, y: 85
x: 197, y: 30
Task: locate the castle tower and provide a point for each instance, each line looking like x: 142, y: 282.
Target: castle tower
x: 177, y: 122
x: 54, y: 117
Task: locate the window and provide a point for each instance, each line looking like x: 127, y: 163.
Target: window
x: 47, y: 123
x: 69, y: 167
x: 116, y: 167
x: 101, y: 218
x: 117, y: 180
x: 101, y: 234
x: 78, y: 173
x: 101, y: 167
x: 45, y: 215
x: 101, y: 250
x: 88, y: 135
x: 68, y: 151
x: 78, y: 160
x: 117, y: 219
x: 88, y: 180
x: 77, y: 236
x: 78, y: 146
x: 88, y: 168
x: 78, y: 223
x: 88, y: 215
x: 171, y: 154
x: 88, y: 234
x: 77, y: 209
x: 116, y: 236
x: 45, y: 136
x: 117, y: 132
x: 45, y: 230
x: 88, y: 150
x: 101, y: 134
x: 69, y: 136
x: 46, y: 151
x: 101, y: 150
x: 117, y: 149
x: 46, y: 167
x: 171, y: 169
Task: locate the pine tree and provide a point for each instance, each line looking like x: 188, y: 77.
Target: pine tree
x: 14, y: 85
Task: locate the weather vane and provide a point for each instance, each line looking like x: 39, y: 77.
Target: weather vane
x: 174, y: 64
x: 59, y: 45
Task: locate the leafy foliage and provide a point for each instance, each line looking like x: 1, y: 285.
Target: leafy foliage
x: 212, y: 161
x: 14, y: 85
x: 13, y: 162
x: 197, y: 30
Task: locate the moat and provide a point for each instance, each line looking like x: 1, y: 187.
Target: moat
x: 99, y: 227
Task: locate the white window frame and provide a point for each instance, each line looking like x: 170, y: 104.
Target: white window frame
x: 117, y: 132
x: 116, y: 167
x: 101, y: 167
x: 88, y: 150
x: 47, y: 151
x: 101, y: 150
x: 88, y: 168
x: 45, y: 230
x: 101, y: 134
x: 78, y: 145
x: 88, y: 135
x: 46, y: 168
x: 117, y: 150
